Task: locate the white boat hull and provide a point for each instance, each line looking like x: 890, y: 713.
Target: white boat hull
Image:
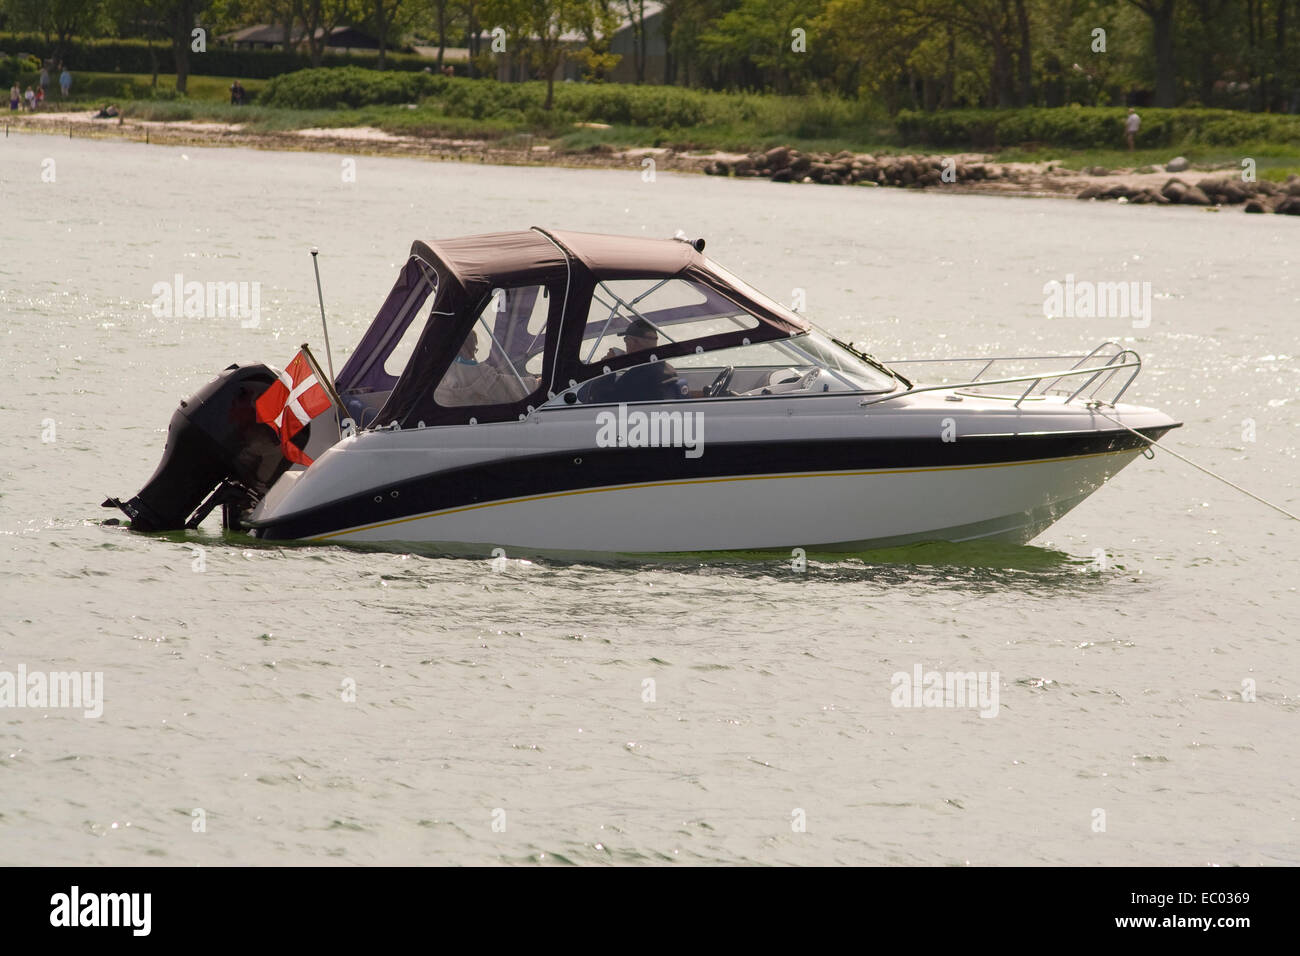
x: 836, y: 512
x: 828, y: 509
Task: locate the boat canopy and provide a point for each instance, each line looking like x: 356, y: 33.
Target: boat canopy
x: 518, y: 316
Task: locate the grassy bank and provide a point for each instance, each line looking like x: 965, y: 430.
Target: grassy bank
x: 596, y: 117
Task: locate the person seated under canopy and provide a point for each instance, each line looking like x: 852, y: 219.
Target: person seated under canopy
x: 657, y: 381
x: 471, y: 382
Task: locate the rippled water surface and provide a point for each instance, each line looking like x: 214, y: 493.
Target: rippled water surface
x: 502, y: 717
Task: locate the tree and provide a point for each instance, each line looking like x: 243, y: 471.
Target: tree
x: 761, y: 43
x: 636, y: 19
x: 386, y: 12
x: 536, y: 29
x: 1161, y: 13
x: 57, y: 20
x: 318, y: 19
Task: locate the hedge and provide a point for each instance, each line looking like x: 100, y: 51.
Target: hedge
x: 653, y: 107
x: 1093, y: 127
x: 132, y: 56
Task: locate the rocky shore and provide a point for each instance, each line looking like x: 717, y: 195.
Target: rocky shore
x: 783, y: 164
x: 961, y: 172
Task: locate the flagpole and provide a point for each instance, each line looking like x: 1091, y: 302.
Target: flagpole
x: 335, y: 399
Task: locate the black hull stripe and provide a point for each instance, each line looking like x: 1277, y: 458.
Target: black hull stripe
x: 603, y: 468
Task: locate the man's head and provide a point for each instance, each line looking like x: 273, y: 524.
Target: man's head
x: 640, y: 335
x: 469, y: 350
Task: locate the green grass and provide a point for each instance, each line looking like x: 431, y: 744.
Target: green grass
x: 508, y: 115
x: 96, y: 89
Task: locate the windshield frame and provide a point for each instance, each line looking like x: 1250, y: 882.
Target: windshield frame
x: 792, y: 346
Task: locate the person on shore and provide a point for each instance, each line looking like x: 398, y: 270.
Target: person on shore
x: 65, y: 82
x: 15, y: 96
x: 237, y: 95
x: 1131, y: 124
x: 30, y: 97
x: 40, y: 97
x: 108, y: 111
x: 45, y: 78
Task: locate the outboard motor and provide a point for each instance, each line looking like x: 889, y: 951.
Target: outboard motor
x: 217, y: 450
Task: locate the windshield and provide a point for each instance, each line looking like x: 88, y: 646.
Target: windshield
x: 809, y: 363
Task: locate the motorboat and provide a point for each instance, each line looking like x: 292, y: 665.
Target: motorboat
x: 547, y: 391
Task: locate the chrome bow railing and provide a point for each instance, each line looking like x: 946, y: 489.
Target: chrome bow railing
x: 1107, y: 360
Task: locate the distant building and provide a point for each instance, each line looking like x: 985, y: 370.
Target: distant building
x: 512, y: 69
x: 270, y: 36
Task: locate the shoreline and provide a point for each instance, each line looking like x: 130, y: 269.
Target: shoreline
x: 972, y: 173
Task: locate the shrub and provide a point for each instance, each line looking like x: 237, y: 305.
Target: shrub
x: 344, y: 87
x: 132, y: 56
x: 1093, y: 127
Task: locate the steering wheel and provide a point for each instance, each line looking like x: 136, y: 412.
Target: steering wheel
x: 720, y: 383
x: 809, y: 377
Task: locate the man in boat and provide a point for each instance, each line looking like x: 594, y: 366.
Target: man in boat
x: 657, y: 381
x: 471, y: 382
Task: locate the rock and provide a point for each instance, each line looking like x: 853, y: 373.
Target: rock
x: 1173, y: 190
x: 806, y: 179
x: 1177, y: 164
x: 1254, y: 206
x: 867, y: 182
x: 1290, y: 206
x: 1267, y: 187
x: 821, y: 173
x: 1096, y: 171
x: 1089, y: 192
x: 778, y: 157
x: 743, y: 167
x: 783, y: 176
x: 1194, y: 196
x: 1291, y: 188
x: 1140, y: 198
x: 799, y: 165
x: 716, y: 168
x: 1230, y: 193
x: 1117, y: 192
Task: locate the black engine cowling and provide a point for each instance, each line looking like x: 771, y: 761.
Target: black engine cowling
x: 214, y: 441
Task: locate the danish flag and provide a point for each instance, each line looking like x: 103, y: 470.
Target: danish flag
x: 291, y: 402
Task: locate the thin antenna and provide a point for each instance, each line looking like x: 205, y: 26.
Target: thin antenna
x: 339, y: 411
x: 329, y: 359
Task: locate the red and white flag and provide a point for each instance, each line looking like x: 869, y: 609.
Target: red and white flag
x: 291, y: 402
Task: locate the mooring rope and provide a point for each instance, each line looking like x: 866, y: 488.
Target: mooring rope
x: 1155, y: 444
